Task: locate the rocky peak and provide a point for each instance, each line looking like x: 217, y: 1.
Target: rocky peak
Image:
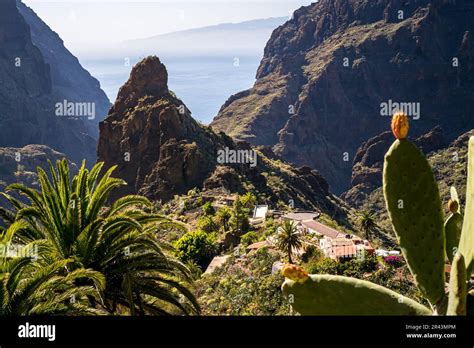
x: 161, y: 151
x: 148, y: 78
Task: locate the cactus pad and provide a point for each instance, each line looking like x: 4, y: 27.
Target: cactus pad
x: 414, y: 206
x: 452, y: 228
x: 466, y: 244
x: 457, y: 287
x: 337, y: 295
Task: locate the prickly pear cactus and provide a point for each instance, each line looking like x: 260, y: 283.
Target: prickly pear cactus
x: 466, y: 244
x: 453, y: 227
x: 337, y: 295
x: 457, y: 287
x: 414, y: 206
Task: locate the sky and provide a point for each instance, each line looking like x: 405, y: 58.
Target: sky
x: 87, y: 25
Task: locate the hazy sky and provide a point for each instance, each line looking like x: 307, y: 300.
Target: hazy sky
x: 91, y: 24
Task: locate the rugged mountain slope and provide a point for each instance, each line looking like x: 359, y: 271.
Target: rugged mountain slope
x: 29, y: 94
x: 161, y: 151
x: 326, y: 72
x: 448, y: 160
x: 19, y: 164
x: 368, y: 163
x: 69, y: 79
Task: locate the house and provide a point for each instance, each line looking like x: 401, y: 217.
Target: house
x: 301, y: 216
x: 334, y: 244
x: 259, y: 215
x: 345, y: 247
x: 260, y: 212
x: 318, y: 229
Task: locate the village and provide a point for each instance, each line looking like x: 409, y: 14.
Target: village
x: 333, y: 244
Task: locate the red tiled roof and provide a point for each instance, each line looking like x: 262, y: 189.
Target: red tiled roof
x: 322, y: 229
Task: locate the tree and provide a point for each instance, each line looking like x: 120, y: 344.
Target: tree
x: 208, y: 209
x: 248, y: 200
x: 288, y: 238
x: 28, y: 287
x: 239, y: 221
x: 366, y: 222
x: 207, y: 224
x: 71, y: 220
x: 223, y: 216
x: 198, y: 247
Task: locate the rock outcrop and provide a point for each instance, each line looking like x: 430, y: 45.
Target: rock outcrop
x: 326, y: 73
x: 30, y: 90
x: 20, y: 164
x: 161, y: 151
x: 368, y: 163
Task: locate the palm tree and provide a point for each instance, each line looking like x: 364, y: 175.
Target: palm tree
x: 288, y: 238
x: 29, y: 287
x: 223, y: 215
x: 367, y: 223
x: 119, y: 241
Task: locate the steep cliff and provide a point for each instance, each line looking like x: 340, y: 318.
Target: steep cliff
x: 30, y: 90
x: 368, y: 163
x: 70, y: 81
x: 448, y: 161
x: 161, y: 151
x: 328, y: 71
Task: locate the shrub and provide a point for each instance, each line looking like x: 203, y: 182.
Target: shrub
x: 198, y: 247
x: 248, y: 200
x: 394, y: 261
x: 249, y: 238
x: 207, y: 224
x: 323, y: 266
x: 208, y: 209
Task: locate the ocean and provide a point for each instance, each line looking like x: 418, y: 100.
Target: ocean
x: 202, y: 83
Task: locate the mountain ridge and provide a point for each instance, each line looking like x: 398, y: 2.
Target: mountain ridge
x: 314, y: 110
x: 161, y: 151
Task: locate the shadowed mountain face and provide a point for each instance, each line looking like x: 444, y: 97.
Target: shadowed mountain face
x: 327, y: 73
x: 31, y: 90
x: 69, y: 79
x: 161, y: 151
